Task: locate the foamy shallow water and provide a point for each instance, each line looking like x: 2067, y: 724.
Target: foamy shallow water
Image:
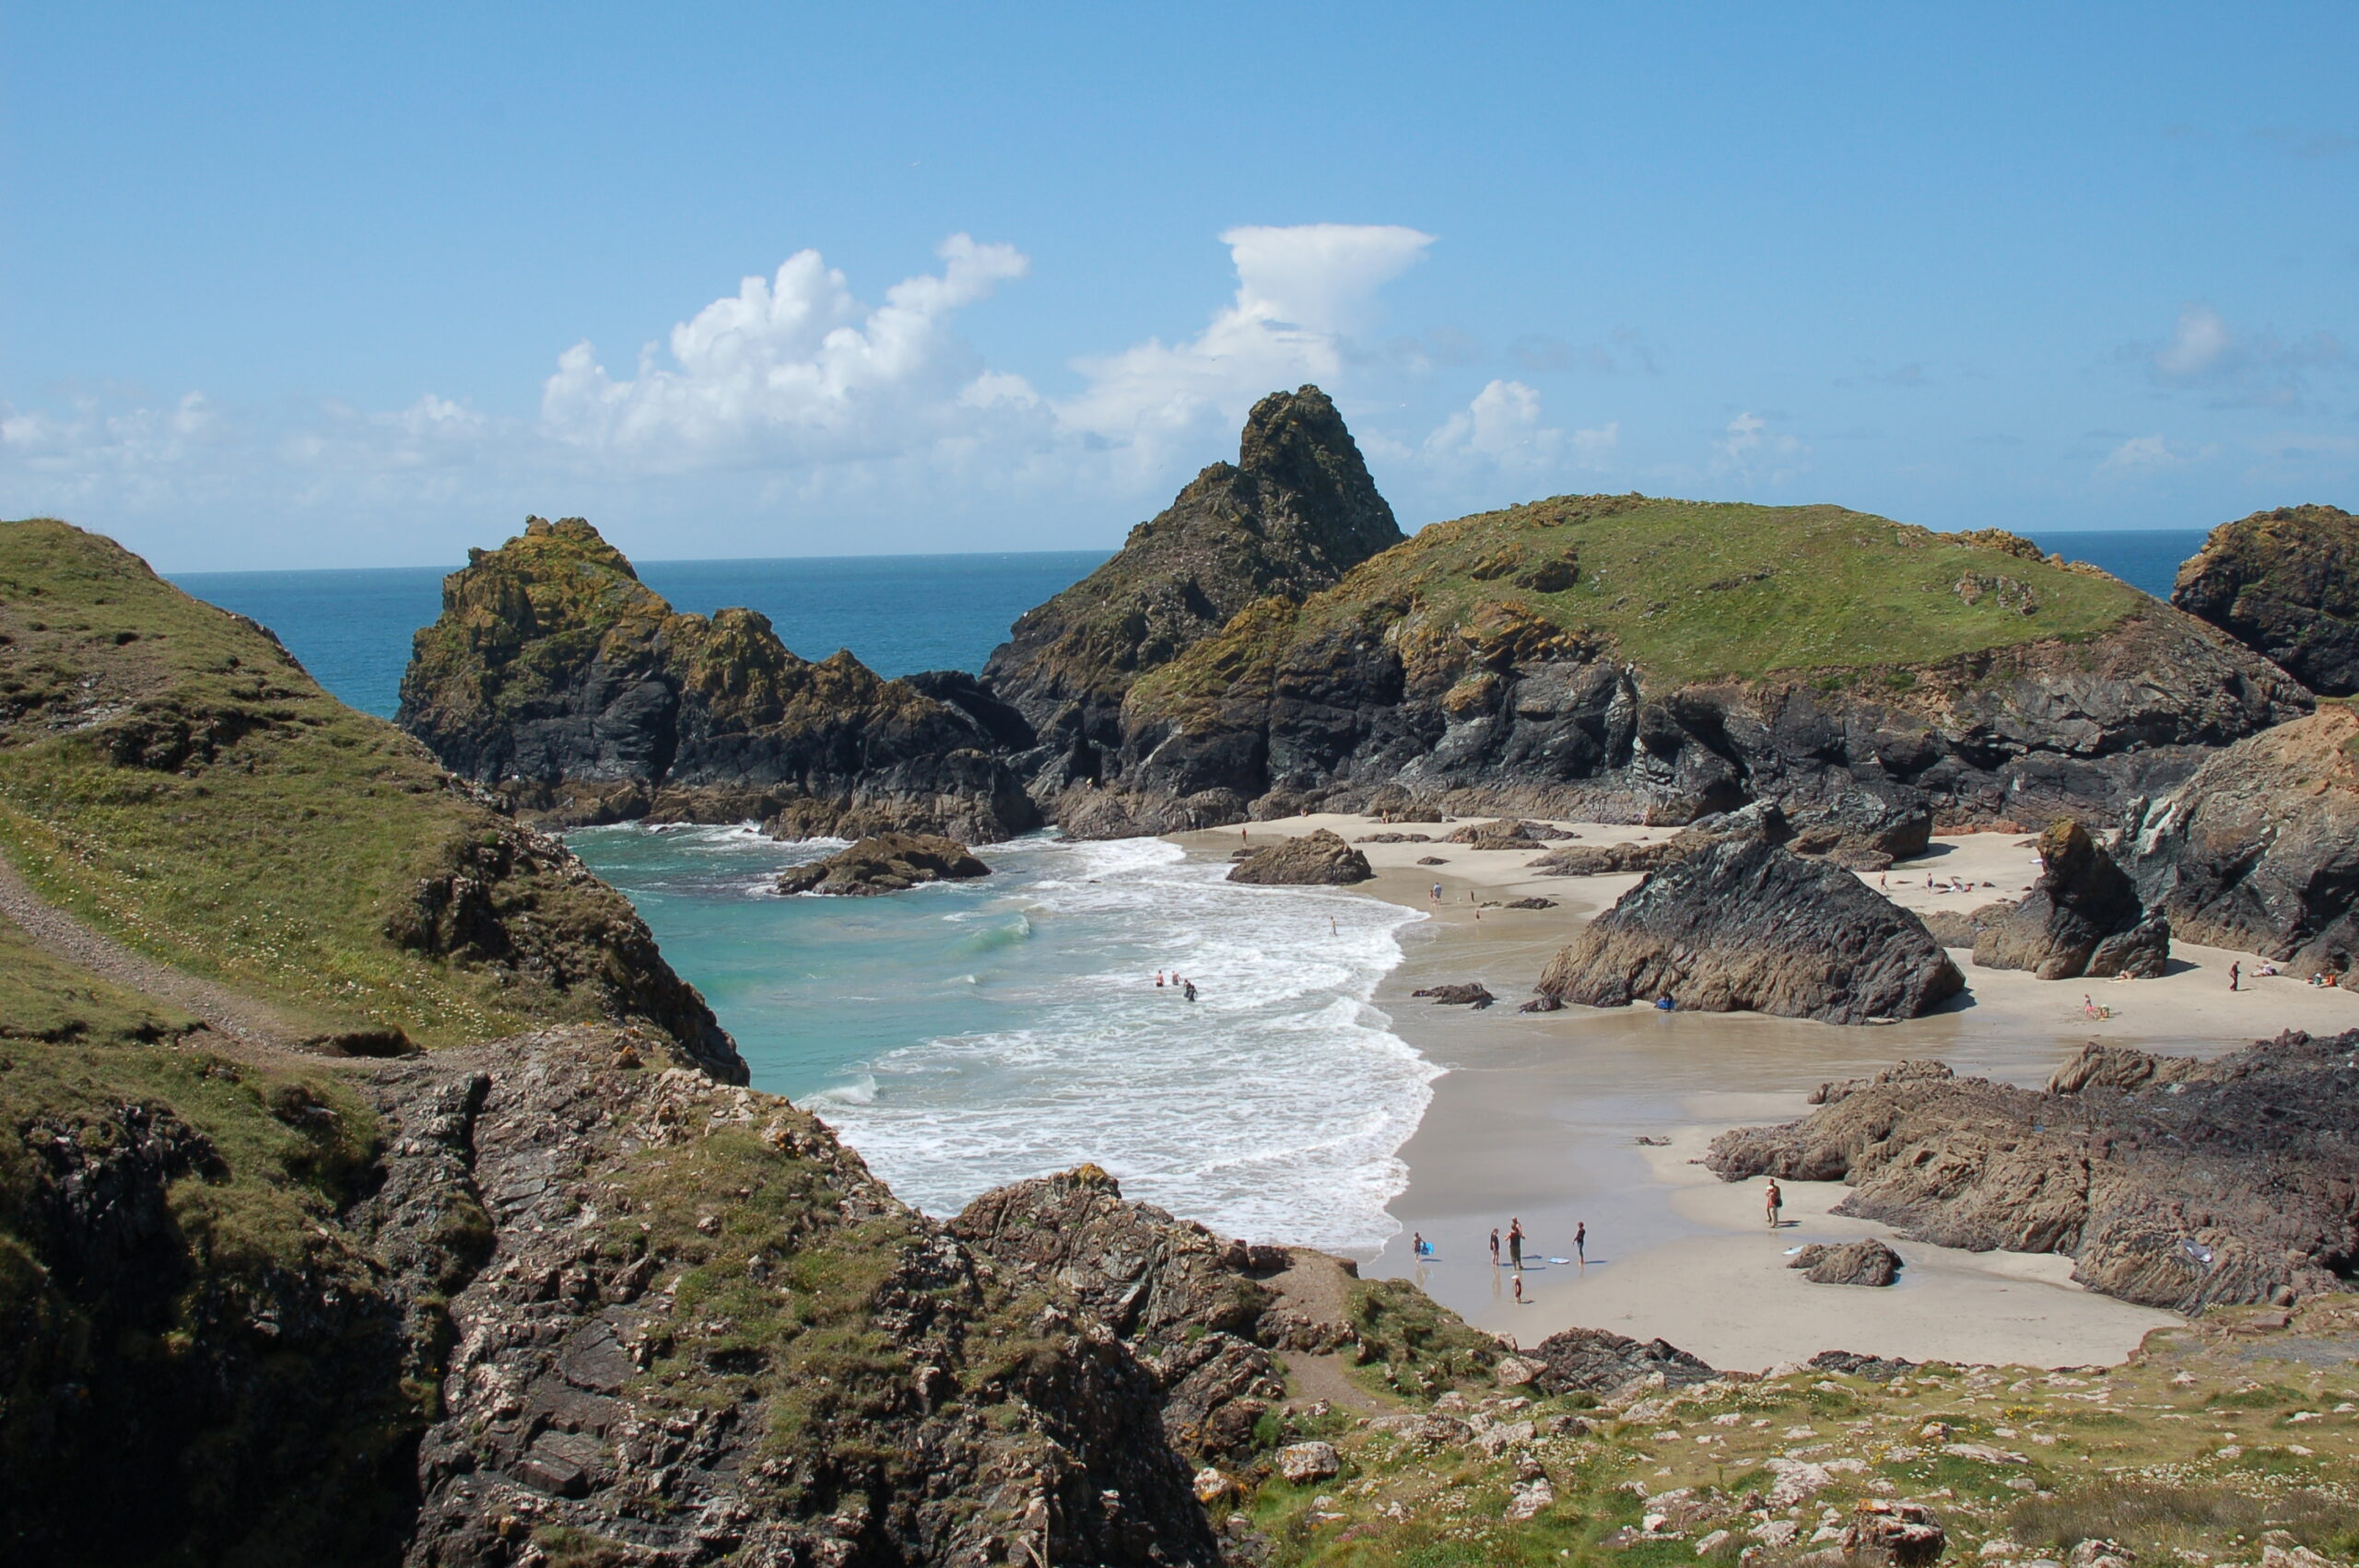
x: 964, y: 1035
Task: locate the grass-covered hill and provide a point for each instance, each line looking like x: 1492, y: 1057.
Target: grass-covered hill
x: 1646, y: 657
x: 1694, y: 591
x: 171, y: 776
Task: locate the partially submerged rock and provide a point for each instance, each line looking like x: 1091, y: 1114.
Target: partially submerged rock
x: 2260, y: 850
x: 2284, y: 583
x: 2083, y: 917
x: 1744, y: 924
x: 2220, y: 1182
x: 1867, y: 1263
x: 1474, y: 992
x: 1315, y: 859
x: 889, y: 863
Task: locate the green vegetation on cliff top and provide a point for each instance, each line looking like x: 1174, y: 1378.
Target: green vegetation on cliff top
x: 1689, y: 590
x: 169, y: 774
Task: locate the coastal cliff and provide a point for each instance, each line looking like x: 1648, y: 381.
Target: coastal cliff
x: 1631, y: 659
x: 2284, y: 583
x: 559, y: 681
x: 1294, y: 513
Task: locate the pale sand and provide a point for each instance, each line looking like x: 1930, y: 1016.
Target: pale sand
x: 1538, y: 1116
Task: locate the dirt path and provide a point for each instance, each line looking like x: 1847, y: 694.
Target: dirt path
x: 225, y: 1012
x: 1314, y: 1288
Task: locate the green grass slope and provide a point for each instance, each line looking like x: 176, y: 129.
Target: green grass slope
x: 171, y: 775
x: 1689, y: 590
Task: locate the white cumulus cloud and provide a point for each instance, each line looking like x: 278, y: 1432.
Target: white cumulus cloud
x: 2241, y: 369
x: 1506, y: 426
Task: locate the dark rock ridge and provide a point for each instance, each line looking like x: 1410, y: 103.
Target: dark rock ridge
x: 1867, y: 1263
x: 2284, y: 583
x: 1743, y: 924
x: 2203, y: 1183
x: 1292, y: 515
x: 566, y: 686
x: 2081, y: 917
x: 1315, y: 858
x: 888, y: 862
x: 2260, y: 850
x: 1600, y: 1361
x: 1433, y: 671
x: 1469, y: 993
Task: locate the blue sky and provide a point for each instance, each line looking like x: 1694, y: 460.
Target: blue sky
x: 327, y: 286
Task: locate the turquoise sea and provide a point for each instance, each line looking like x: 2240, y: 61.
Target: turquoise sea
x: 963, y: 1035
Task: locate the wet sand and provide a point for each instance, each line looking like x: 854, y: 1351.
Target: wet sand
x: 1538, y: 1116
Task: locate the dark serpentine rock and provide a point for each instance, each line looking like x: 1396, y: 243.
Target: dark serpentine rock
x: 1600, y: 1361
x: 560, y: 682
x: 2081, y: 916
x: 1867, y: 1263
x: 1743, y: 924
x: 1292, y: 515
x: 2284, y: 583
x: 1317, y: 858
x: 2260, y: 850
x: 2219, y: 1182
x: 889, y: 863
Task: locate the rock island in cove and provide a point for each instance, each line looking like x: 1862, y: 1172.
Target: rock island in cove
x: 1925, y: 1094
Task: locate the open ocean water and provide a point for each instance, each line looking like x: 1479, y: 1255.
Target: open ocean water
x: 967, y: 1035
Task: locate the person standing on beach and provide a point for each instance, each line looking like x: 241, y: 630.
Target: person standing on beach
x: 1519, y: 1290
x: 1775, y: 1201
x: 2236, y: 973
x: 1436, y: 894
x: 1514, y: 1244
x: 1494, y: 1247
x: 1580, y: 1243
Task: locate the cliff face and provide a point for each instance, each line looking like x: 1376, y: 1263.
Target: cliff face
x: 1294, y: 512
x: 2259, y: 849
x: 559, y: 680
x: 1644, y: 660
x: 2286, y: 583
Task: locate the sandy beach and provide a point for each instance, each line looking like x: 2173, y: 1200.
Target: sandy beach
x: 1539, y: 1117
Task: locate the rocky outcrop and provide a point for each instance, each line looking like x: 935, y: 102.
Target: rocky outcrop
x: 1600, y: 1361
x: 889, y: 863
x: 1867, y: 1263
x: 2260, y: 850
x: 1507, y: 833
x: 1317, y: 858
x: 2081, y: 916
x: 558, y: 680
x: 2226, y: 1181
x: 1963, y: 928
x: 2117, y: 1066
x: 2284, y: 583
x: 1291, y: 516
x: 1679, y: 666
x: 1469, y: 993
x: 1743, y: 924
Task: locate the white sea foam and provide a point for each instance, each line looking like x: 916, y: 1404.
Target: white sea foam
x: 1273, y: 1107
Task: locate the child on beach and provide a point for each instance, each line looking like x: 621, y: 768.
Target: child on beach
x: 1775, y: 1201
x: 1494, y: 1247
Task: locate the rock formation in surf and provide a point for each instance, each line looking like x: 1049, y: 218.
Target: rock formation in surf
x: 558, y: 680
x: 2260, y: 850
x: 2284, y: 583
x: 2081, y: 916
x: 2208, y: 1183
x: 887, y: 862
x: 1291, y: 516
x: 1315, y: 859
x: 1744, y: 924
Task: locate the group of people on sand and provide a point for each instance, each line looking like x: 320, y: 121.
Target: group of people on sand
x: 1423, y: 1249
x: 1185, y: 988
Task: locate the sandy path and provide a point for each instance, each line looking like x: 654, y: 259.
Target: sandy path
x: 1539, y: 1118
x: 225, y: 1012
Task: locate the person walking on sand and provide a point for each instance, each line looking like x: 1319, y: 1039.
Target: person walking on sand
x: 1494, y: 1247
x: 1774, y: 1203
x: 1436, y: 894
x: 1580, y: 1243
x: 2236, y: 973
x: 1514, y: 1244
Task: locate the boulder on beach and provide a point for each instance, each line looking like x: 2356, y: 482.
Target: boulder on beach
x: 1433, y: 859
x: 1394, y: 838
x: 2081, y: 916
x: 1743, y: 924
x: 1531, y: 904
x: 2218, y: 1182
x: 1867, y: 1263
x: 889, y: 863
x: 1473, y: 993
x: 1507, y: 833
x: 2259, y: 849
x: 1600, y: 1361
x: 1316, y: 859
x: 1963, y: 928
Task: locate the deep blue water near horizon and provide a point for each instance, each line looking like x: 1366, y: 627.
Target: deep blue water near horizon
x: 968, y: 1034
